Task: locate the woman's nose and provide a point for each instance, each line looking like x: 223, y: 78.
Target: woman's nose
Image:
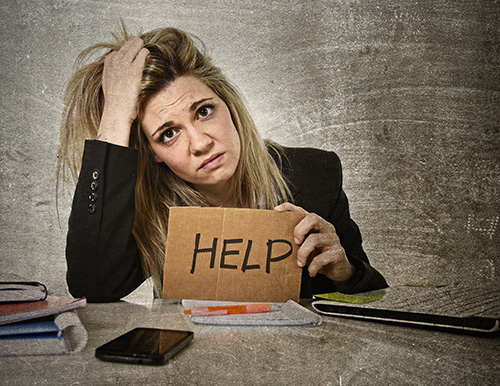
x: 199, y: 141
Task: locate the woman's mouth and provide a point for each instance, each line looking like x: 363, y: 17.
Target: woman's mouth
x: 212, y: 162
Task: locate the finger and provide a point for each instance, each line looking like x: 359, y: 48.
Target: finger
x: 313, y: 242
x: 319, y: 262
x: 140, y: 60
x: 312, y: 245
x: 308, y: 248
x: 289, y: 207
x: 142, y: 55
x: 337, y: 267
x: 131, y: 48
x: 332, y: 257
x: 312, y: 223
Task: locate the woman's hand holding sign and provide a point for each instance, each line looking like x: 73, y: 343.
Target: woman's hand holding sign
x: 320, y: 247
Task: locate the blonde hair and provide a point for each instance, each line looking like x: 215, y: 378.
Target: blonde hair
x: 257, y: 181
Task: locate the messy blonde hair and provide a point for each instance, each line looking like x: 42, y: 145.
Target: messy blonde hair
x: 257, y: 181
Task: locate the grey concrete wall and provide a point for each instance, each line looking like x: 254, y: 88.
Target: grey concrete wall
x: 407, y: 92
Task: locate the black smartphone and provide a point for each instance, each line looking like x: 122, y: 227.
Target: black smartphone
x: 149, y: 346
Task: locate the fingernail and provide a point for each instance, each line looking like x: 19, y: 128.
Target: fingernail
x: 299, y: 263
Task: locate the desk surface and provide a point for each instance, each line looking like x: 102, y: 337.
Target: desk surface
x: 339, y: 352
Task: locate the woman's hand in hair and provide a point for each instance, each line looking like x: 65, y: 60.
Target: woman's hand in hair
x: 320, y: 248
x: 121, y: 79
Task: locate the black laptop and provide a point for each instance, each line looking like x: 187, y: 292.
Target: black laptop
x: 451, y: 308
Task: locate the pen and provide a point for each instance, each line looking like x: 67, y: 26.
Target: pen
x: 236, y: 309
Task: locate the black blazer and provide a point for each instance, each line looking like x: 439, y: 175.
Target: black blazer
x: 103, y: 258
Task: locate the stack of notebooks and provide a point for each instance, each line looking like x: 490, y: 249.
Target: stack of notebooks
x: 33, y: 323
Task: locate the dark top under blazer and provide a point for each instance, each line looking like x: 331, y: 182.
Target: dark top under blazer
x: 102, y: 255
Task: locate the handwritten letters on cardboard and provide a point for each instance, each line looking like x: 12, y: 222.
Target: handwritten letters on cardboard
x: 231, y: 254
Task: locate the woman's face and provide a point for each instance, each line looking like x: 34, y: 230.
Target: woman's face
x: 190, y: 129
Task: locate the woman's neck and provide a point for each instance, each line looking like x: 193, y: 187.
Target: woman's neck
x: 221, y: 195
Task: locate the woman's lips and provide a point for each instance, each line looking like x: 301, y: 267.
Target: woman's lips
x: 212, y: 162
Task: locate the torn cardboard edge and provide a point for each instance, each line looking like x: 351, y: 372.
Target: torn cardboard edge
x: 231, y: 255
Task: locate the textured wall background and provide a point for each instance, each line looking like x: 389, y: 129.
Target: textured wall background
x: 407, y: 92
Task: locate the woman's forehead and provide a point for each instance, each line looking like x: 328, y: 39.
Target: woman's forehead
x: 186, y: 88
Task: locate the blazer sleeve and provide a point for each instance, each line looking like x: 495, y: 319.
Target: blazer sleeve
x: 102, y: 256
x: 366, y: 277
x: 316, y: 178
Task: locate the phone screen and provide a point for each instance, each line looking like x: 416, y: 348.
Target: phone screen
x: 145, y: 346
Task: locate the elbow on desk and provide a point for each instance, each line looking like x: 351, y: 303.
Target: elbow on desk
x: 94, y: 294
x: 102, y: 277
x: 101, y: 291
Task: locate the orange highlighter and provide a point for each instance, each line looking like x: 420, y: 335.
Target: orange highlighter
x: 236, y: 309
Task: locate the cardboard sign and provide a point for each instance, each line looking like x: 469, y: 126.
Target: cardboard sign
x: 231, y: 254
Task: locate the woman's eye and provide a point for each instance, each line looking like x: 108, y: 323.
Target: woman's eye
x: 205, y: 111
x: 168, y: 135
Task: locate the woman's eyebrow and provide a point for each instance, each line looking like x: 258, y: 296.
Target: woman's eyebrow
x: 197, y: 103
x: 164, y: 126
x: 171, y: 123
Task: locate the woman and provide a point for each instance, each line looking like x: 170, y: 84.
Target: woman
x: 163, y: 127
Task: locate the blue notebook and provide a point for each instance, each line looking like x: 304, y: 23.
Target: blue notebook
x: 33, y: 337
